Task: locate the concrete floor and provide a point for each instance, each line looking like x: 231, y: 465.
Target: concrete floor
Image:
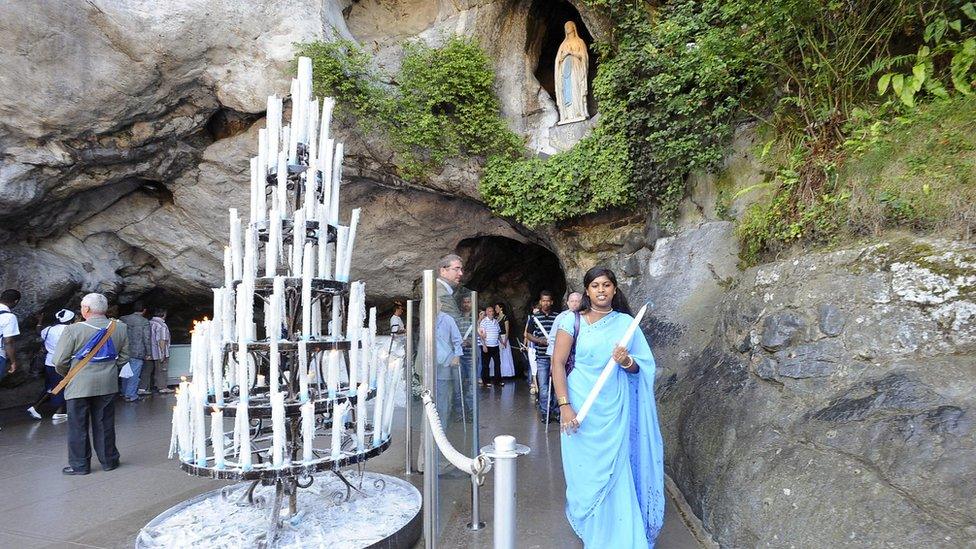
x: 40, y: 507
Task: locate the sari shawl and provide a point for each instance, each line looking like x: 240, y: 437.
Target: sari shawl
x: 614, y: 464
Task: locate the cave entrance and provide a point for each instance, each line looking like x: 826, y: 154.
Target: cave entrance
x: 544, y: 34
x: 512, y: 272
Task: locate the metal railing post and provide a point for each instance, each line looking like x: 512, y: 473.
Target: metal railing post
x: 408, y: 383
x: 476, y: 523
x: 504, y: 453
x: 429, y: 314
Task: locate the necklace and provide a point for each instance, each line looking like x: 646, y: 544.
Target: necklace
x: 601, y: 311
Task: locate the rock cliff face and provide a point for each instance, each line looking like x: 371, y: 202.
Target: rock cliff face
x: 818, y: 401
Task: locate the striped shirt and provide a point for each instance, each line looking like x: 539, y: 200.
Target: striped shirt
x: 546, y: 320
x: 491, y: 329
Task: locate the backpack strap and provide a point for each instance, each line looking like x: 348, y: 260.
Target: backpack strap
x: 84, y: 361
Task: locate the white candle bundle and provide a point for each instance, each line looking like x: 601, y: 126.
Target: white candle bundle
x: 302, y: 370
x: 361, y: 393
x: 342, y: 236
x: 277, y: 428
x: 308, y: 431
x: 338, y: 427
x: 332, y: 381
x: 307, y: 291
x: 217, y: 436
x: 235, y: 244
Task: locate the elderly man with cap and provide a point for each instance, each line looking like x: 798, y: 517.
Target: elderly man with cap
x: 91, y: 392
x: 50, y: 336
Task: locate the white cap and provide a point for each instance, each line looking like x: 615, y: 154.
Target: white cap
x: 64, y: 316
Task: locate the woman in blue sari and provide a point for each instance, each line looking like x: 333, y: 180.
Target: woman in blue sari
x: 613, y: 461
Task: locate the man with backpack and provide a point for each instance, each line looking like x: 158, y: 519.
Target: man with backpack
x: 94, y: 349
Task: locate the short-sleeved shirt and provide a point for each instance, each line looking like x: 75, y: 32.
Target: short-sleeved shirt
x: 492, y: 329
x: 50, y: 337
x: 158, y: 333
x: 8, y: 327
x: 545, y: 319
x: 560, y: 322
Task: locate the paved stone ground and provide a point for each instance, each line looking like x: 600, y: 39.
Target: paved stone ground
x: 40, y: 507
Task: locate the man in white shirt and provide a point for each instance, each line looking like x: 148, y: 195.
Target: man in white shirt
x: 9, y: 328
x: 397, y: 327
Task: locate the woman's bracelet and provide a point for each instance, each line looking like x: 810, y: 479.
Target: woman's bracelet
x: 561, y: 401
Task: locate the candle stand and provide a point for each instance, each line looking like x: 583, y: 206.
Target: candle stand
x: 308, y: 390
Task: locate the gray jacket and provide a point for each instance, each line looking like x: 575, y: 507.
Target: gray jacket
x: 140, y: 335
x: 96, y: 378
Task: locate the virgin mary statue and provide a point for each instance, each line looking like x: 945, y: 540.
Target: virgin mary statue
x: 572, y: 61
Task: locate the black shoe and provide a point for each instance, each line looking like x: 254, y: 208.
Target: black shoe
x: 110, y: 466
x: 72, y: 471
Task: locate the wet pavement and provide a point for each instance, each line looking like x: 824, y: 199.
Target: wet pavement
x: 41, y: 507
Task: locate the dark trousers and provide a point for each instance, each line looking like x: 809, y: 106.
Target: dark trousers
x: 486, y: 359
x: 98, y: 414
x: 51, y: 380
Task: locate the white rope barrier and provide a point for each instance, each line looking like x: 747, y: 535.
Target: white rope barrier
x: 476, y: 467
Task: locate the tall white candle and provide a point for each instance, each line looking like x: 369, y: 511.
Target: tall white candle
x: 282, y: 186
x: 274, y: 130
x: 217, y: 436
x: 350, y: 243
x: 326, y: 155
x: 183, y: 421
x: 361, y: 393
x: 338, y: 427
x: 255, y: 178
x: 342, y: 236
x: 326, y: 121
x: 243, y: 370
x: 302, y: 370
x: 378, y: 409
x: 307, y: 267
x: 332, y: 380
x: 308, y: 431
x: 250, y: 255
x: 298, y: 242
x: 217, y: 363
x: 277, y: 428
x: 371, y: 342
x: 317, y: 318
x: 394, y: 383
x: 244, y: 431
x: 273, y: 248
x: 235, y: 243
x: 228, y: 268
x: 336, y: 183
x: 335, y: 328
x: 229, y: 313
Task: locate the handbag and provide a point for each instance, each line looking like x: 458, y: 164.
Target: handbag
x: 571, y: 359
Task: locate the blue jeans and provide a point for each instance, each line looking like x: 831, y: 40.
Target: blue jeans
x: 542, y: 376
x: 4, y: 364
x: 130, y: 386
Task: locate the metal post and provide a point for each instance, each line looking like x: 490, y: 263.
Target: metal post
x: 429, y: 314
x: 504, y: 454
x: 408, y: 383
x: 476, y: 523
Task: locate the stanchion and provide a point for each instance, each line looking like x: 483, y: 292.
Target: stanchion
x: 476, y: 522
x: 503, y: 452
x: 408, y: 383
x: 429, y: 314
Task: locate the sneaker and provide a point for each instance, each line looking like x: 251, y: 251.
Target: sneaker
x: 144, y: 392
x: 165, y: 390
x: 33, y: 413
x: 133, y: 399
x: 56, y: 417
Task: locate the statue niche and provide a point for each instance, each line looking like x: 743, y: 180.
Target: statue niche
x: 572, y: 62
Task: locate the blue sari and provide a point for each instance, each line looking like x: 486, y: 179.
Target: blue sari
x: 614, y: 464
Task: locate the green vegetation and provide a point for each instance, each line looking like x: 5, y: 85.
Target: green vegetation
x: 442, y: 107
x: 866, y: 108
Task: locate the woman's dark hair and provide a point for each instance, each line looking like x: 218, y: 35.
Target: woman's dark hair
x: 504, y: 308
x: 619, y: 302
